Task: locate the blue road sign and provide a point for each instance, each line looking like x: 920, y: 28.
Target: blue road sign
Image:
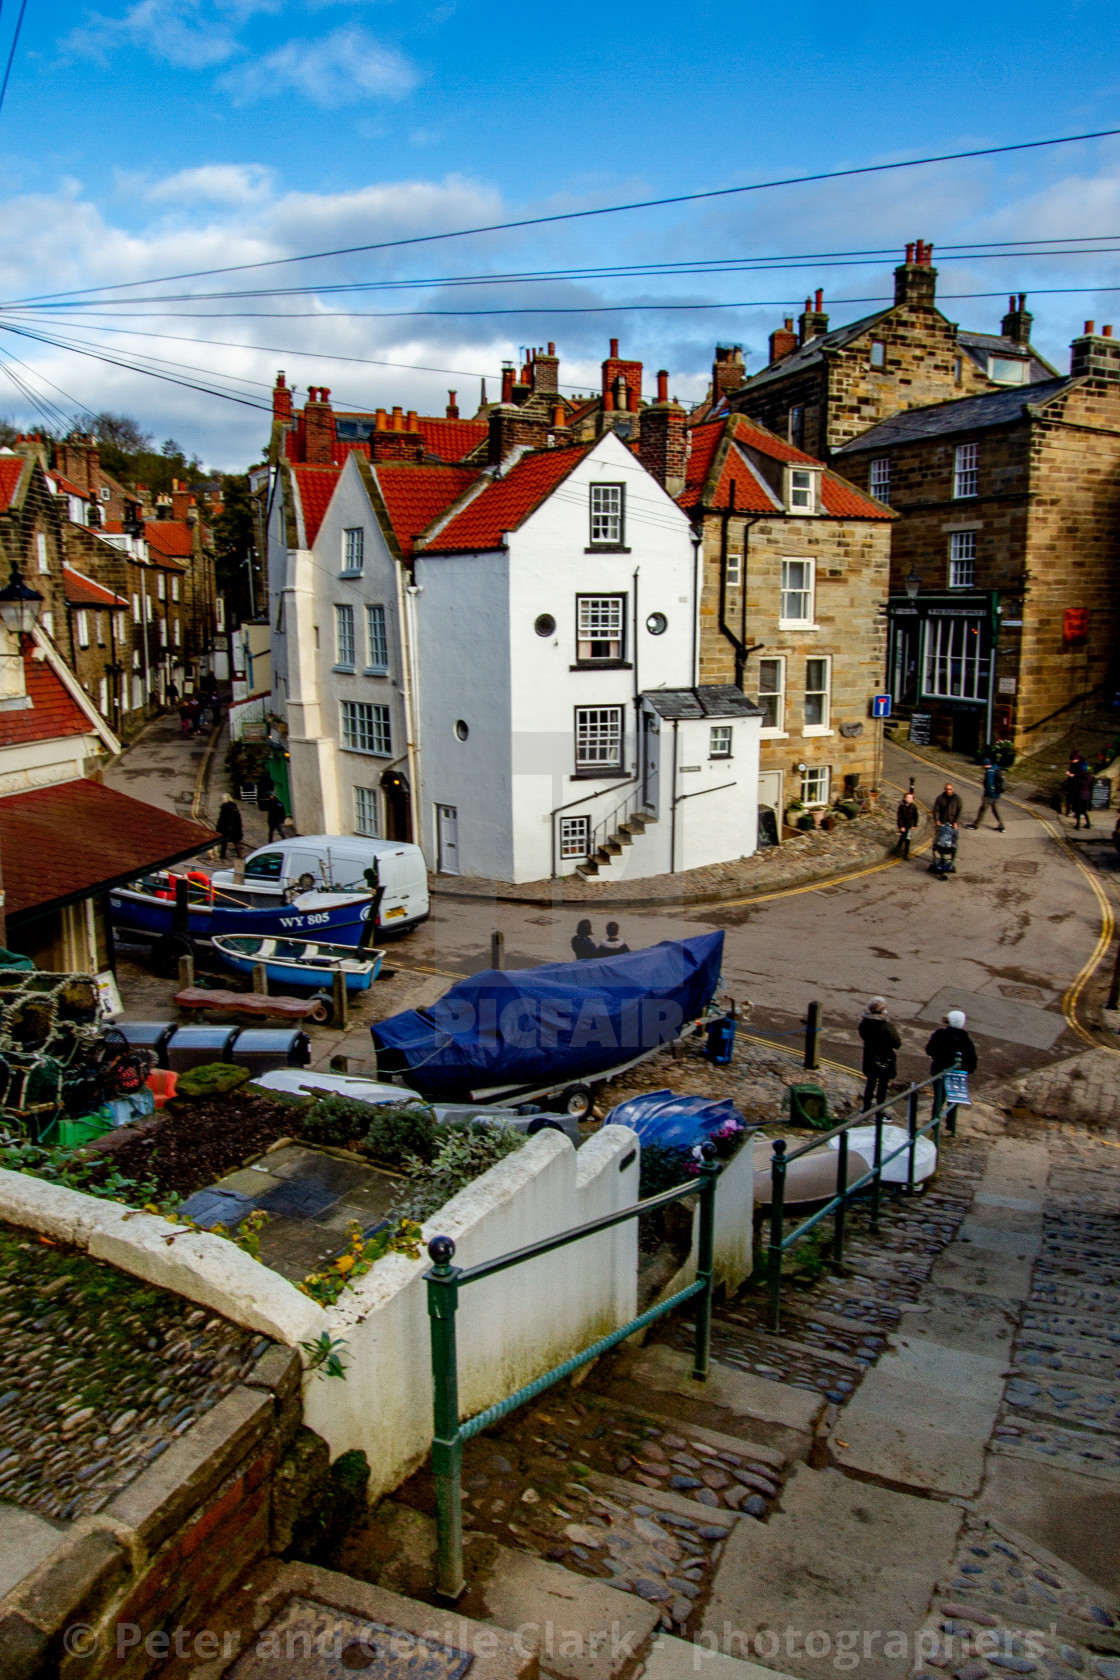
x: 880, y: 705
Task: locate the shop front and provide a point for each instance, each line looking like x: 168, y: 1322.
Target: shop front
x: 941, y: 656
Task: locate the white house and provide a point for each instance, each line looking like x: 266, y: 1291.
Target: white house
x: 339, y: 538
x: 556, y: 647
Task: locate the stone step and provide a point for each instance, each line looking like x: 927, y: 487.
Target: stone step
x: 715, y: 1438
x: 680, y: 1659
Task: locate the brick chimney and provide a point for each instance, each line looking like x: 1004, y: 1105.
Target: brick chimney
x: 661, y: 444
x: 783, y: 342
x: 395, y: 438
x: 452, y: 406
x: 915, y: 280
x: 79, y: 459
x: 1017, y: 323
x: 34, y: 446
x: 812, y: 322
x: 181, y: 500
x: 281, y: 400
x: 1095, y: 354
x: 544, y: 367
x: 511, y: 428
x: 318, y: 427
x: 614, y: 368
x: 507, y: 382
x: 728, y: 372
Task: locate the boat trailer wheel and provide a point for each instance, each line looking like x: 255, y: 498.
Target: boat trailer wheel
x: 574, y: 1100
x: 322, y: 1011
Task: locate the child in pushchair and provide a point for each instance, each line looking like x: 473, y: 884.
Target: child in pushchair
x: 944, y: 851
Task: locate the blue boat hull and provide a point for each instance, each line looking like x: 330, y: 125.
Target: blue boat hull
x: 290, y: 974
x: 152, y: 918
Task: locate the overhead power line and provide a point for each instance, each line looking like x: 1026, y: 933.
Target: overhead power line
x: 603, y: 210
x: 12, y: 54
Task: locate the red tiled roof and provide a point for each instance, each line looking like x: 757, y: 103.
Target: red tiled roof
x: 506, y: 504
x: 82, y: 591
x: 170, y: 539
x: 316, y: 487
x: 53, y: 711
x: 11, y: 471
x: 68, y: 487
x: 416, y: 495
x: 64, y: 842
x: 452, y: 439
x: 844, y: 501
x: 703, y: 443
x: 838, y: 498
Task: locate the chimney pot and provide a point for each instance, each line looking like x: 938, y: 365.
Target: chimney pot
x: 559, y: 418
x: 789, y: 323
x: 820, y: 299
x: 324, y: 394
x: 1090, y: 327
x: 909, y: 253
x: 551, y: 348
x: 398, y: 419
x: 452, y: 406
x: 379, y: 420
x: 614, y: 349
x: 663, y: 385
x: 1107, y: 331
x: 1022, y: 300
x: 413, y: 422
x: 507, y: 383
x: 608, y: 402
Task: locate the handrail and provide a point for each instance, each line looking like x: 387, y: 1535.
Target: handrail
x: 837, y: 1204
x: 444, y: 1281
x: 583, y: 799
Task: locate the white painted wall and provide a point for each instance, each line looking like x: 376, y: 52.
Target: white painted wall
x: 463, y: 658
x: 714, y: 822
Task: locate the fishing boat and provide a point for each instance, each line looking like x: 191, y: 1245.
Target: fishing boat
x: 515, y: 1034
x: 146, y: 908
x: 299, y: 962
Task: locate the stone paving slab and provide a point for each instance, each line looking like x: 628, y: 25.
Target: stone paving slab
x: 1021, y: 1023
x: 1074, y: 1517
x: 681, y: 1659
x: 664, y: 1370
x: 583, y: 1629
x: 26, y: 1541
x: 975, y: 1271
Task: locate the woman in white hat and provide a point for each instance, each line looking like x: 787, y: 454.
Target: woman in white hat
x: 951, y: 1043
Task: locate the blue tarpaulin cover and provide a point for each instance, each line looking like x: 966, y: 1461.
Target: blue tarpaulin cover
x: 551, y: 1025
x: 677, y: 1122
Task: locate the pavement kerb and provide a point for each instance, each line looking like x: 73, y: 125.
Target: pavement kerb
x: 203, y: 777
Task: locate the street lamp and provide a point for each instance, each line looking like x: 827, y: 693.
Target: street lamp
x: 19, y: 606
x: 913, y: 582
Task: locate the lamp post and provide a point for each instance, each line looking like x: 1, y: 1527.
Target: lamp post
x: 20, y: 606
x: 913, y: 582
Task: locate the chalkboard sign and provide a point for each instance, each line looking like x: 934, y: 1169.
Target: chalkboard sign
x: 1101, y: 794
x: 920, y: 724
x: 767, y: 828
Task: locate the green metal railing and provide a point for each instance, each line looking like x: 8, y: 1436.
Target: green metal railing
x: 444, y: 1282
x: 837, y: 1205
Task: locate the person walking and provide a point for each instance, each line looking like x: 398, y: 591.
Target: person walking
x: 946, y: 826
x: 993, y: 788
x: 277, y: 817
x: 1076, y: 763
x: 881, y: 1040
x: 907, y: 819
x: 583, y: 942
x: 229, y: 825
x: 1082, y: 794
x: 950, y: 1043
x: 614, y: 944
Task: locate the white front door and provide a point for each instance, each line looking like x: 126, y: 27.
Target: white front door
x: 770, y: 790
x: 651, y: 761
x: 447, y: 839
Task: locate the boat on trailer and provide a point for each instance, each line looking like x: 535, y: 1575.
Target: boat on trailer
x: 299, y: 962
x: 147, y: 909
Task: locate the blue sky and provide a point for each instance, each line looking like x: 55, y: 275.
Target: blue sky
x: 163, y: 135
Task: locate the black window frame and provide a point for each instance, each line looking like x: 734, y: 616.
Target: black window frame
x: 611, y: 662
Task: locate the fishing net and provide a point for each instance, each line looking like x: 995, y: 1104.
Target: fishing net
x: 56, y: 1054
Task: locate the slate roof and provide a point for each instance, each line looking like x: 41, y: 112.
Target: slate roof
x: 709, y: 700
x: 807, y: 354
x: 506, y: 503
x: 415, y: 496
x: 52, y: 714
x: 11, y: 471
x: 82, y: 591
x: 982, y: 345
x: 962, y: 414
x: 64, y: 842
x: 316, y: 487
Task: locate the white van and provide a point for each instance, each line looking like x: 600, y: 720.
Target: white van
x: 335, y: 863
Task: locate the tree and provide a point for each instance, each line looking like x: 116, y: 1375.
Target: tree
x: 234, y: 540
x: 120, y: 432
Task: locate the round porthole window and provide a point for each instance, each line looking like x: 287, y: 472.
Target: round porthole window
x: 657, y: 624
x: 462, y: 730
x: 545, y: 625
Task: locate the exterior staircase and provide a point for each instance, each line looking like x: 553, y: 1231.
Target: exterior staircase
x: 617, y: 836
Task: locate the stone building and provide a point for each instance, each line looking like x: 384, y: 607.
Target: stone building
x: 1005, y: 567
x: 822, y: 388
x: 795, y: 566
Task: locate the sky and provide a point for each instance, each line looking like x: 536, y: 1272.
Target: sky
x: 160, y: 137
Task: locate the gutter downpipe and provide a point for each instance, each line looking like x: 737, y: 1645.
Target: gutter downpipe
x: 698, y: 538
x: 994, y: 624
x: 673, y: 804
x: 406, y: 608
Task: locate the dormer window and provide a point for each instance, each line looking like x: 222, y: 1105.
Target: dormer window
x: 802, y: 489
x: 1008, y: 370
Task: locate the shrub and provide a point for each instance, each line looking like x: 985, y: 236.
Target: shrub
x: 357, y: 1257
x: 464, y: 1150
x: 806, y: 820
x: 400, y: 1133
x: 663, y: 1167
x: 212, y: 1079
x: 335, y: 1121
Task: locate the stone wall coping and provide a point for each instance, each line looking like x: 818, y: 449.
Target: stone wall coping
x: 203, y: 1268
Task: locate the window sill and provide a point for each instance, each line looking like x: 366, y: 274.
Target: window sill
x: 773, y: 734
x: 796, y: 624
x: 606, y: 548
x: 366, y: 752
x: 344, y: 670
x: 719, y: 758
x: 816, y: 729
x: 374, y: 671
x: 601, y: 665
x: 602, y: 774
x: 351, y: 575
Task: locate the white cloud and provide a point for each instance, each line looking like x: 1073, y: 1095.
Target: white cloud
x: 346, y: 67
x: 181, y: 32
x: 214, y: 183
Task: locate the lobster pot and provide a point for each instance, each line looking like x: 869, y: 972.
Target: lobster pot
x: 261, y: 1049
x: 196, y: 1046
x: 150, y: 1035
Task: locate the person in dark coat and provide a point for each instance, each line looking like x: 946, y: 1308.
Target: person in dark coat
x: 1076, y: 764
x: 583, y: 942
x: 947, y: 807
x: 907, y: 820
x: 946, y: 825
x: 993, y: 788
x: 950, y: 1042
x: 229, y: 825
x: 1082, y: 795
x: 881, y: 1041
x: 614, y: 944
x: 266, y: 788
x: 277, y: 817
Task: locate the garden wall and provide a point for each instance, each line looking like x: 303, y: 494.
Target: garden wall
x: 733, y: 1254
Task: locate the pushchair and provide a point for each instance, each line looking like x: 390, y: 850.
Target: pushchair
x: 944, y: 851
